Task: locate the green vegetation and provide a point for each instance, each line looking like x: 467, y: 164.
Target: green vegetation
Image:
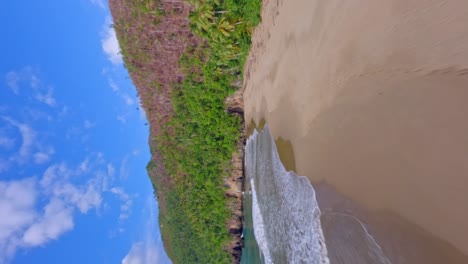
x: 199, y: 137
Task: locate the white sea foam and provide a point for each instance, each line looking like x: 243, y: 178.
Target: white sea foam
x: 286, y: 215
x: 259, y: 229
x: 351, y: 240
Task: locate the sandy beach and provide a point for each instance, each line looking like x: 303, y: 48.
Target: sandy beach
x: 373, y: 97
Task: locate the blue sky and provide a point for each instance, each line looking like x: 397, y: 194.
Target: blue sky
x: 73, y: 141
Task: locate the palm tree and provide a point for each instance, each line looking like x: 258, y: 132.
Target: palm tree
x: 202, y: 18
x: 224, y: 52
x: 225, y: 27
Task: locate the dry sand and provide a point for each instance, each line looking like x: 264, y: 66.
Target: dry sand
x: 373, y: 96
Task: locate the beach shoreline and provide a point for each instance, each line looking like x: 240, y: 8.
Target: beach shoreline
x: 372, y: 98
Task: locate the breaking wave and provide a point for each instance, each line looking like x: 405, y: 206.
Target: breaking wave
x: 286, y: 216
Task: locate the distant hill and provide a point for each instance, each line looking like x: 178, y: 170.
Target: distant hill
x: 185, y: 58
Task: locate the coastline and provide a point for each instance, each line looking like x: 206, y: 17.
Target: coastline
x: 184, y: 61
x: 373, y: 110
x: 235, y: 183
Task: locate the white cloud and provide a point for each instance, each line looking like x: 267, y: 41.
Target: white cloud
x: 57, y: 219
x: 44, y: 155
x: 73, y: 133
x: 57, y: 181
x: 28, y: 136
x: 27, y: 75
x: 41, y: 157
x: 122, y: 118
x: 30, y: 148
x: 136, y: 152
x: 142, y: 111
x: 54, y: 173
x: 128, y: 100
x: 37, y: 115
x: 36, y: 211
x: 110, y: 170
x: 12, y: 81
x: 25, y: 225
x: 34, y: 81
x: 79, y: 132
x: 142, y: 254
x: 110, y: 44
x: 100, y: 157
x: 105, y: 71
x: 17, y: 202
x: 150, y: 249
x: 29, y: 225
x: 123, y: 168
x: 99, y: 3
x: 126, y: 206
x: 46, y: 97
x: 120, y: 192
x: 63, y: 112
x: 106, y: 177
x: 84, y: 197
x: 113, y: 85
x: 89, y: 199
x: 84, y: 165
x: 88, y: 124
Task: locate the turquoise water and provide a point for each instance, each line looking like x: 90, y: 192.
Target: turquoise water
x: 250, y: 252
x: 283, y: 222
x: 285, y: 213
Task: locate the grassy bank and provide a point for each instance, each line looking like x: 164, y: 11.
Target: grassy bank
x: 200, y: 138
x: 196, y: 139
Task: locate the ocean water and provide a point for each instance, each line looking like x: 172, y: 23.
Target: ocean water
x: 283, y: 221
x: 251, y: 251
x: 285, y: 213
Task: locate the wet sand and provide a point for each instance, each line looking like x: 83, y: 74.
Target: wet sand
x: 373, y: 96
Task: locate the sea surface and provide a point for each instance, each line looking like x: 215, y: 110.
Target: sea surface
x: 283, y: 222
